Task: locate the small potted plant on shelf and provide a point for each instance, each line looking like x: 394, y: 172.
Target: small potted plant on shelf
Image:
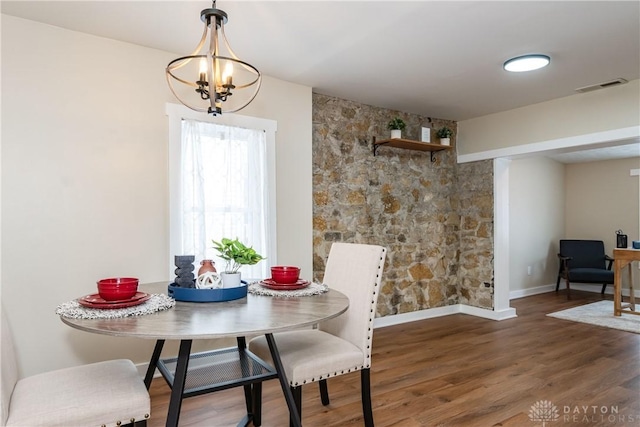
x: 236, y: 254
x: 445, y: 135
x: 396, y: 126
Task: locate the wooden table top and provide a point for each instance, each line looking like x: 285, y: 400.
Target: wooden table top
x: 626, y: 254
x: 253, y: 315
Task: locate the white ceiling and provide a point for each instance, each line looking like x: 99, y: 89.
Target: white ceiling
x: 438, y: 59
x: 610, y: 151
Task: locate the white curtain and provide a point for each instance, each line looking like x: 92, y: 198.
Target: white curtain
x: 224, y: 191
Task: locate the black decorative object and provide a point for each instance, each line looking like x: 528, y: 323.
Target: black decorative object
x: 621, y: 239
x: 184, y: 271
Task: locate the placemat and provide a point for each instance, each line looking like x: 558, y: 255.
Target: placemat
x: 313, y: 289
x: 158, y: 302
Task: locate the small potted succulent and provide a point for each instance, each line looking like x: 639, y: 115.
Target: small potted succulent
x: 236, y: 254
x: 396, y: 126
x: 445, y: 135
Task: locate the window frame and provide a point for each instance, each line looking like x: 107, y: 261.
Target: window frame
x: 176, y: 113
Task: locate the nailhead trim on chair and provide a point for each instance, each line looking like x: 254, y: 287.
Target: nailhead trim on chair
x: 329, y: 375
x: 132, y: 421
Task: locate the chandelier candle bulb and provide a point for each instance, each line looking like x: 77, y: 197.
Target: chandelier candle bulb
x: 227, y: 77
x: 203, y: 70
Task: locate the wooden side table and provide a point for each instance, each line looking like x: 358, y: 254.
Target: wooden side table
x: 624, y: 258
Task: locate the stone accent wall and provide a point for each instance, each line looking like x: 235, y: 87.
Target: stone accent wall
x: 475, y: 206
x: 440, y: 243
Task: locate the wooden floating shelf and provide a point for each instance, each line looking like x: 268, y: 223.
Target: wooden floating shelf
x: 409, y: 144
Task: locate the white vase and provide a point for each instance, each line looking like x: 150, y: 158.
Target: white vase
x: 445, y: 141
x: 230, y: 280
x: 396, y: 134
x: 209, y: 280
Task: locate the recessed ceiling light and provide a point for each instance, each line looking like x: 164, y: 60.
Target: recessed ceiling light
x: 526, y: 63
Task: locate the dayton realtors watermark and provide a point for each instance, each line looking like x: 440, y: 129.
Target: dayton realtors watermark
x: 597, y: 414
x: 546, y: 412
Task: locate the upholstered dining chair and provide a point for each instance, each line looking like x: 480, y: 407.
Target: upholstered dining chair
x: 340, y: 345
x: 108, y: 393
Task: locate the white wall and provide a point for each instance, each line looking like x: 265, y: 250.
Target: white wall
x: 603, y: 197
x: 581, y: 120
x: 536, y: 212
x: 581, y: 114
x: 84, y: 180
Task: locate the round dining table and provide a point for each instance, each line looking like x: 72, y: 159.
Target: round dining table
x: 188, y: 321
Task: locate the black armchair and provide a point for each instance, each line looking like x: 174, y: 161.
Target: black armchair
x: 584, y: 261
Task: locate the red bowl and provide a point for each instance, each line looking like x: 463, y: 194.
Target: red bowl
x: 117, y: 288
x: 285, y: 274
x: 118, y: 281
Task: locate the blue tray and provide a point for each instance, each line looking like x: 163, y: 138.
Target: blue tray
x: 206, y: 295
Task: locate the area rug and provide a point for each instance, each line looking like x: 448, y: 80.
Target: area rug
x: 600, y: 313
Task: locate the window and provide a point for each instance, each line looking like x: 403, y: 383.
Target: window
x: 222, y: 184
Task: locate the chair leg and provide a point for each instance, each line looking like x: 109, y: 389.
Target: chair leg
x: 297, y: 398
x: 558, y: 283
x: 604, y: 286
x: 568, y: 287
x: 324, y: 392
x: 365, y: 384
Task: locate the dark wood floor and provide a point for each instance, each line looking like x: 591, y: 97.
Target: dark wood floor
x: 461, y: 370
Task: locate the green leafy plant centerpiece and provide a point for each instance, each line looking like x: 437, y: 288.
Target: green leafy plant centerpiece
x: 444, y: 132
x: 396, y: 124
x: 236, y: 254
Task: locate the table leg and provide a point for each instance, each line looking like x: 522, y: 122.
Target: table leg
x: 286, y: 390
x: 179, y: 378
x: 151, y: 369
x: 244, y: 366
x: 632, y: 296
x: 617, y: 287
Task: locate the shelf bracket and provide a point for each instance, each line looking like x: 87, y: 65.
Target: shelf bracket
x: 433, y: 159
x: 375, y: 146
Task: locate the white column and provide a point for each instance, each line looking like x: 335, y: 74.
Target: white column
x: 501, y: 238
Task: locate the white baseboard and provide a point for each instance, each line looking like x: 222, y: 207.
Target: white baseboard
x: 397, y: 319
x: 598, y: 288
x: 412, y: 316
x: 521, y: 293
x: 507, y: 313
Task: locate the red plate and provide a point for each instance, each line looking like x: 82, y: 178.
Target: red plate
x: 272, y: 284
x: 94, y: 301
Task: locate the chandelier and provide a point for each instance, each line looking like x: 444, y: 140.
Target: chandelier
x: 207, y: 78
